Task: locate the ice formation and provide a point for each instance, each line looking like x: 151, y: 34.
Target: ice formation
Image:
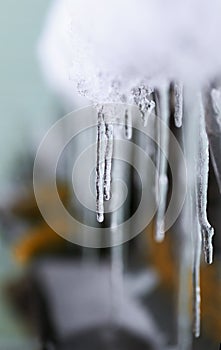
x: 213, y: 122
x: 132, y: 52
x: 203, y: 171
x: 128, y: 124
x: 108, y: 160
x: 162, y: 154
x: 178, y: 104
x: 141, y: 98
x: 142, y: 41
x: 100, y: 166
x: 197, y: 241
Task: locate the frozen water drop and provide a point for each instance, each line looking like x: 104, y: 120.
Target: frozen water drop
x: 100, y: 217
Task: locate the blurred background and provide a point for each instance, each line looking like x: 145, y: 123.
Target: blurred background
x: 53, y: 294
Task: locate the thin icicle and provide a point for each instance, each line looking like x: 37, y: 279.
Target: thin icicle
x: 216, y: 101
x: 141, y: 96
x: 145, y: 114
x: 163, y: 143
x: 188, y: 133
x: 203, y: 170
x: 128, y: 124
x: 197, y: 246
x: 196, y: 298
x: 178, y: 104
x: 213, y: 128
x: 108, y: 160
x: 100, y: 167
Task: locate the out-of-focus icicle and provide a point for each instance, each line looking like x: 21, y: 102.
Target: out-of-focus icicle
x: 178, y: 104
x: 141, y: 96
x: 203, y: 170
x: 145, y: 115
x: 216, y: 100
x: 197, y: 246
x: 163, y: 143
x: 100, y: 167
x: 108, y: 160
x: 128, y: 124
x: 196, y: 230
x: 196, y: 288
x: 190, y: 140
x: 213, y: 128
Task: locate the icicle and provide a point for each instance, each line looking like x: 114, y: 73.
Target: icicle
x: 145, y: 114
x: 203, y: 170
x: 188, y: 134
x: 128, y: 124
x: 197, y: 244
x: 196, y: 294
x: 213, y: 126
x: 141, y: 99
x: 108, y: 160
x: 163, y: 142
x: 216, y: 101
x: 100, y: 167
x: 178, y: 104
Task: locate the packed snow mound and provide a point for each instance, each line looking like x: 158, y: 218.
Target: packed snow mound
x: 104, y: 48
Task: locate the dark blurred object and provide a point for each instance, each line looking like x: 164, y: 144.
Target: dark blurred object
x: 105, y: 338
x: 71, y: 306
x: 24, y: 205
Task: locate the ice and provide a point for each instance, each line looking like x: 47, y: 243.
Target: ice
x: 203, y: 170
x: 100, y: 167
x: 163, y: 140
x: 213, y: 122
x: 197, y: 300
x: 141, y: 97
x: 108, y: 160
x: 158, y: 44
x: 178, y: 104
x: 216, y: 100
x: 72, y: 39
x: 128, y: 124
x: 197, y: 247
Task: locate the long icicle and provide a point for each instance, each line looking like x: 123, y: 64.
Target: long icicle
x: 188, y: 133
x: 196, y: 229
x: 203, y: 171
x: 197, y: 247
x: 163, y: 143
x: 196, y: 288
x: 108, y: 160
x: 178, y: 104
x: 100, y: 167
x: 213, y: 128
